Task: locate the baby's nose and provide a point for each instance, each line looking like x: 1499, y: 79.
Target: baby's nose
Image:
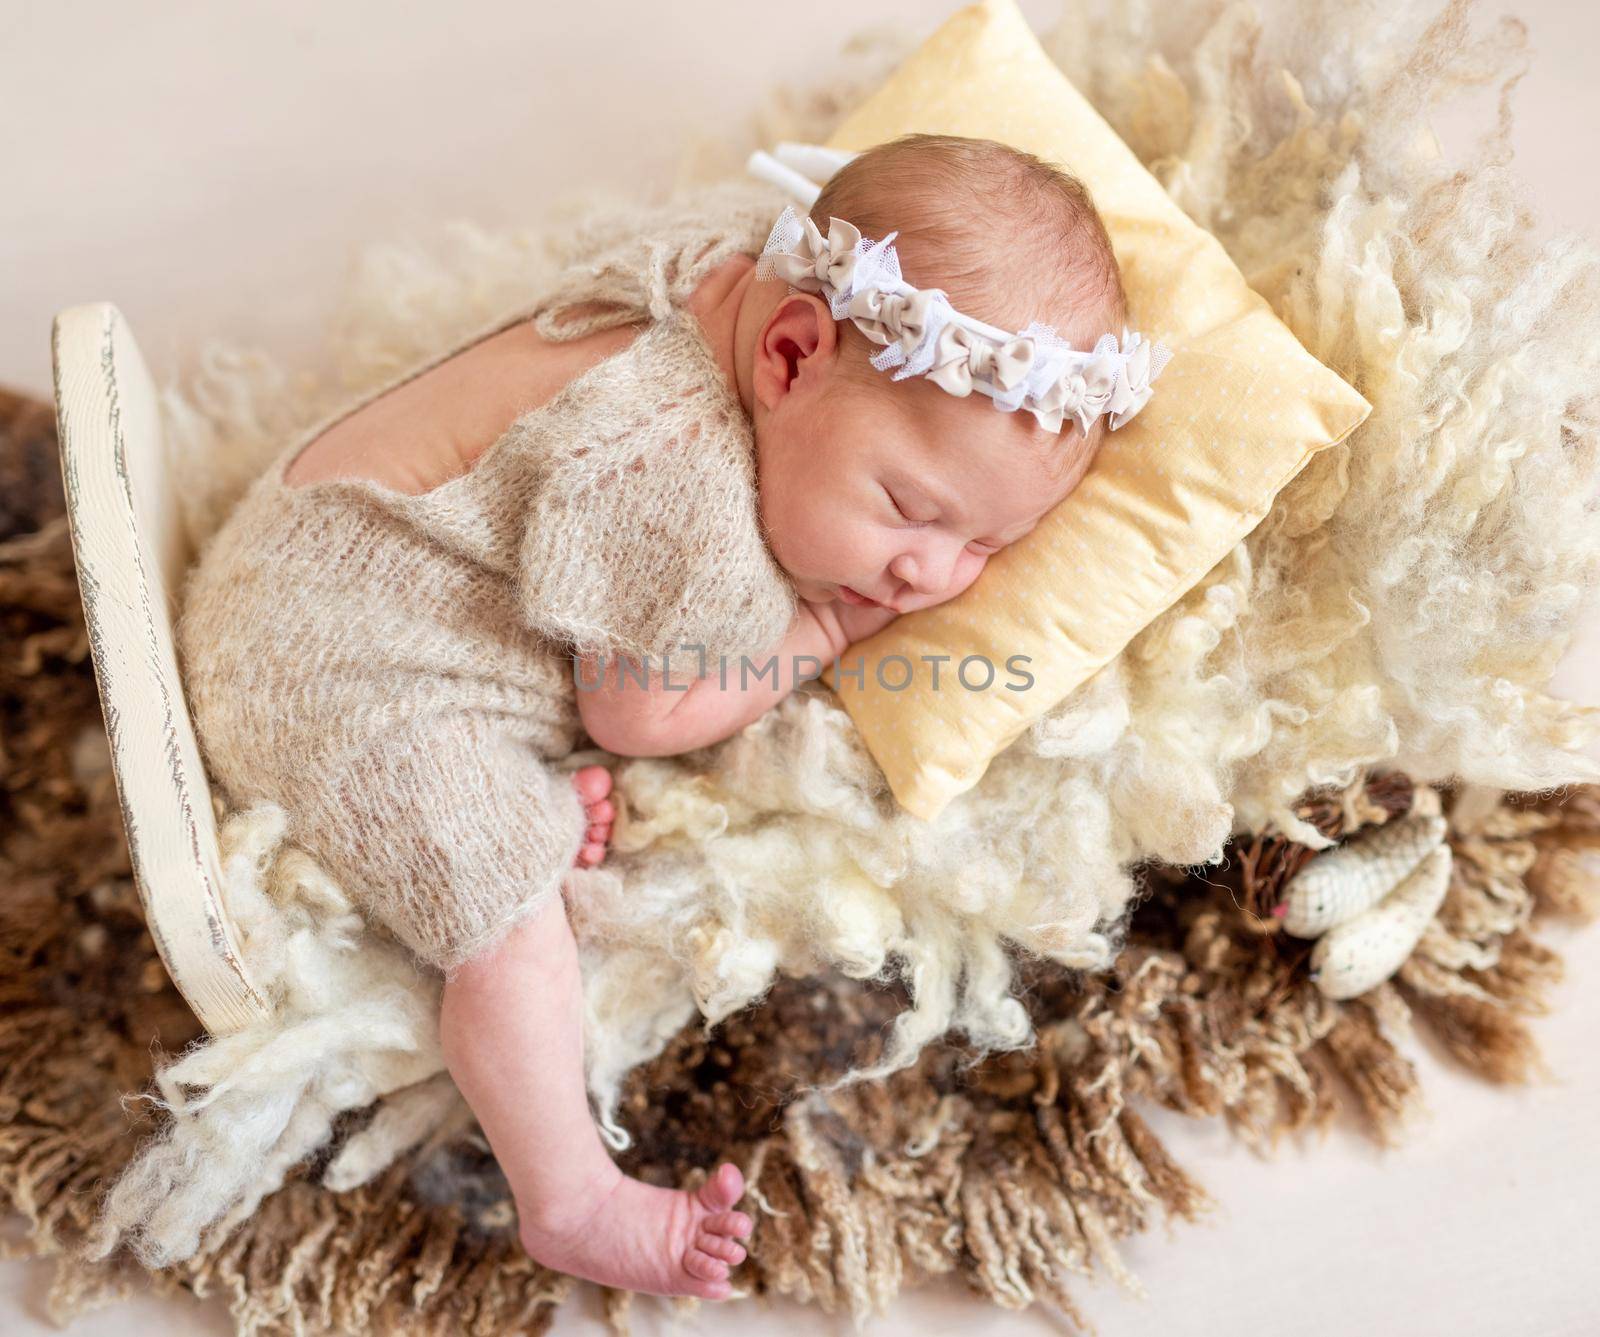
x: 925, y: 574
x: 906, y: 570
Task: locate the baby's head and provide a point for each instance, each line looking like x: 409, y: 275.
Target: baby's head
x: 899, y: 489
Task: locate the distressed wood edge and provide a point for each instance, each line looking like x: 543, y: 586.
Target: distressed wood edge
x: 100, y: 377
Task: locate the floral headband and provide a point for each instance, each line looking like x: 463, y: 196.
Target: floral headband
x: 924, y: 334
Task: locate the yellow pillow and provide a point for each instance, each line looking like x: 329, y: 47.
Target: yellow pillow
x: 1237, y: 413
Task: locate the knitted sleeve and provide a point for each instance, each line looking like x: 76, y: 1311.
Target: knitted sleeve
x: 647, y: 537
x: 448, y: 833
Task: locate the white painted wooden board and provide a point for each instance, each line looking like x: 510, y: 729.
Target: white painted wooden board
x: 131, y: 554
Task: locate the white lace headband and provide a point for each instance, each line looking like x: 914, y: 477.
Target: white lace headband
x: 924, y: 334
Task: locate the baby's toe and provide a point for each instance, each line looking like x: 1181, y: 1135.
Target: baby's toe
x: 592, y: 782
x: 729, y: 1223
x: 591, y: 854
x: 602, y: 811
x: 701, y: 1265
x: 720, y: 1246
x: 722, y: 1189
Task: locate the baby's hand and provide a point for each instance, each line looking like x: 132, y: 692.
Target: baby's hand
x: 856, y: 622
x: 593, y: 783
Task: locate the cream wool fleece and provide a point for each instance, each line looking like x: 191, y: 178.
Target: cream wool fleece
x: 395, y: 670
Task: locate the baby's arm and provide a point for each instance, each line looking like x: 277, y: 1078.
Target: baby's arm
x: 659, y: 720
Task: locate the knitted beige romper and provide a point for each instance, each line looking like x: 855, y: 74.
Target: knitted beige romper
x: 395, y: 670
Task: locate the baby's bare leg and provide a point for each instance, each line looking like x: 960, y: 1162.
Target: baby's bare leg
x: 511, y: 1029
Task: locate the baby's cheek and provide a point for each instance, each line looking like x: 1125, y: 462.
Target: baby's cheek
x: 968, y: 569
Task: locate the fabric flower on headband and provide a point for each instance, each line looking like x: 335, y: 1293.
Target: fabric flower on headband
x: 923, y: 334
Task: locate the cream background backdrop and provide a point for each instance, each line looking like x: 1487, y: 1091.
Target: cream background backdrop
x: 209, y: 168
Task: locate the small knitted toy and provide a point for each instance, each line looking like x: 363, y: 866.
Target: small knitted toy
x: 1369, y: 900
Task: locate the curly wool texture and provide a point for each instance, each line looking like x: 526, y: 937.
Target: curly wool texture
x: 1404, y: 602
x: 1410, y: 593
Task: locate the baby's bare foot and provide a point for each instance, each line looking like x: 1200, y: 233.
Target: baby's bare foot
x: 637, y: 1237
x: 593, y: 783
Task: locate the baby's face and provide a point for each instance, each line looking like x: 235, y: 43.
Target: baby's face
x: 897, y: 490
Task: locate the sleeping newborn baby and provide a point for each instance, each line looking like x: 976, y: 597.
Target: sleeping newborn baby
x: 428, y: 601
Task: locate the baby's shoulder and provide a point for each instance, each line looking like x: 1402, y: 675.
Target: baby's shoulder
x: 648, y: 534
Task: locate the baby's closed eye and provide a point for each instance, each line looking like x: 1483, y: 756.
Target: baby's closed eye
x: 978, y: 547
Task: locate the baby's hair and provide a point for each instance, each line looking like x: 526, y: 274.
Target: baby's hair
x: 1007, y: 236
